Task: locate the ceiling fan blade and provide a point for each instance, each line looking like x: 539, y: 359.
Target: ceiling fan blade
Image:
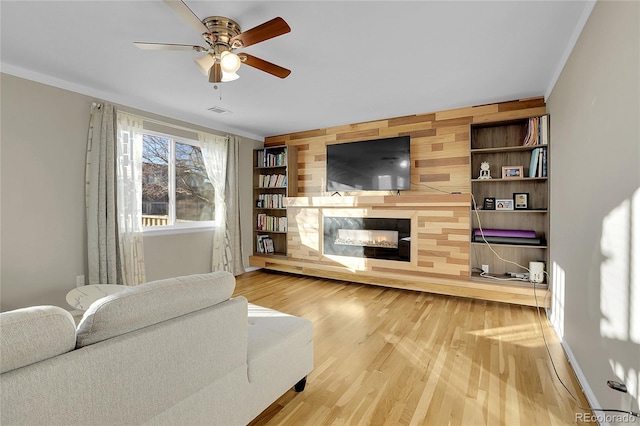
x: 168, y: 46
x: 215, y: 73
x: 263, y: 65
x: 270, y: 29
x: 187, y: 15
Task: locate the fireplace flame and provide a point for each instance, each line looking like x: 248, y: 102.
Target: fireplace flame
x: 367, y: 238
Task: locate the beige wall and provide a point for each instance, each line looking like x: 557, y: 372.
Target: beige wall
x: 43, y: 135
x: 595, y: 199
x: 42, y: 239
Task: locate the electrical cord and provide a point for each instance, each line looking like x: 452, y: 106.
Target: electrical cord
x: 432, y: 187
x: 535, y: 296
x: 544, y: 336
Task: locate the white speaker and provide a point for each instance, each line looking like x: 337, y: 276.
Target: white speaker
x: 536, y: 272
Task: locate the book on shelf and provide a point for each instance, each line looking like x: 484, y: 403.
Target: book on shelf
x: 271, y: 159
x: 537, y: 131
x: 272, y: 181
x: 533, y: 165
x: 282, y: 224
x: 544, y: 130
x: 264, y: 244
x: 260, y: 246
x: 265, y: 222
x: 260, y: 219
x: 268, y: 245
x: 538, y: 163
x: 270, y: 201
x: 531, y: 138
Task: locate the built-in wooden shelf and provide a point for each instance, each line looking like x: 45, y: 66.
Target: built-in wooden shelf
x: 500, y: 144
x: 280, y: 160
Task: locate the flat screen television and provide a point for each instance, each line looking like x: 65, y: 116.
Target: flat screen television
x: 371, y: 165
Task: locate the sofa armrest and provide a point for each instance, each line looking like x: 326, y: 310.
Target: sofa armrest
x: 34, y: 334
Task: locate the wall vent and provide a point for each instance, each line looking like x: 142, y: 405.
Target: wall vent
x: 219, y: 110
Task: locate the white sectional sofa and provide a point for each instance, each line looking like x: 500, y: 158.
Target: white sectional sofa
x: 179, y: 351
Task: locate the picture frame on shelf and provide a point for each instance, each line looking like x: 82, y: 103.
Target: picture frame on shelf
x: 520, y: 200
x: 504, y: 204
x: 512, y: 172
x: 489, y: 203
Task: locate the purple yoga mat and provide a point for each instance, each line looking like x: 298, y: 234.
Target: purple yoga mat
x: 505, y: 233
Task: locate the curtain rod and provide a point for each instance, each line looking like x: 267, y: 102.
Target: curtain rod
x: 175, y: 126
x: 162, y: 123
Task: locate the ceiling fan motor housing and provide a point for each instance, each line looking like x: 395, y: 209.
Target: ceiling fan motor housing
x: 223, y: 29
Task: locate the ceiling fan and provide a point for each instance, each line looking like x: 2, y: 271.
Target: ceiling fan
x: 223, y: 36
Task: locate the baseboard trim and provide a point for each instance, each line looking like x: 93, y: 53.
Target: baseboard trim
x: 575, y: 366
x: 584, y: 383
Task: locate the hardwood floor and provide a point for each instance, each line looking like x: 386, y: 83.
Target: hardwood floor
x: 385, y: 356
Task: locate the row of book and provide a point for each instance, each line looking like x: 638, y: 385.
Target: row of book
x: 272, y: 181
x: 507, y: 236
x: 270, y: 201
x: 271, y: 223
x: 538, y: 164
x: 268, y: 159
x: 264, y: 244
x: 537, y: 131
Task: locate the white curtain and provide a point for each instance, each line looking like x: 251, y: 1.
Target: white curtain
x: 112, y: 197
x: 100, y: 202
x: 129, y: 198
x: 214, y: 153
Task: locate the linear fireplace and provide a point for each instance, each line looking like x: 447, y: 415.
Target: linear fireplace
x: 378, y: 238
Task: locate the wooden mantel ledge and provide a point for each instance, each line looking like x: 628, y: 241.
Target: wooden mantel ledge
x: 422, y: 200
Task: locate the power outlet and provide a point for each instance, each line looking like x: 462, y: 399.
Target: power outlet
x: 79, y: 280
x: 620, y: 387
x: 485, y: 269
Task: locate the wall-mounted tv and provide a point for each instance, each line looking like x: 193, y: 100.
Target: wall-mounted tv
x: 371, y: 165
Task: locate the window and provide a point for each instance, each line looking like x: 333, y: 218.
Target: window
x: 176, y: 191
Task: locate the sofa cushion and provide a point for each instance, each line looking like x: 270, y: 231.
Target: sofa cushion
x: 272, y: 334
x: 147, y: 304
x: 34, y: 334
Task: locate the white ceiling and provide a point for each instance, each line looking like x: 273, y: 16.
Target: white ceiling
x: 351, y: 61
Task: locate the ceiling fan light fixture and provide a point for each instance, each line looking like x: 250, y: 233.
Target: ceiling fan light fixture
x: 229, y: 62
x: 227, y: 77
x: 205, y: 63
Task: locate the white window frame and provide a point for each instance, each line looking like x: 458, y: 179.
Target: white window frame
x: 175, y: 228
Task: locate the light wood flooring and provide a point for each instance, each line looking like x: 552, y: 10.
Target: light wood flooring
x: 385, y: 356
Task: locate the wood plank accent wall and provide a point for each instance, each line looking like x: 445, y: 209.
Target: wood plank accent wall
x: 439, y: 145
x: 440, y: 155
x: 439, y: 232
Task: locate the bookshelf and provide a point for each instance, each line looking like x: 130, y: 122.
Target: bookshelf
x: 521, y: 145
x: 274, y: 178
